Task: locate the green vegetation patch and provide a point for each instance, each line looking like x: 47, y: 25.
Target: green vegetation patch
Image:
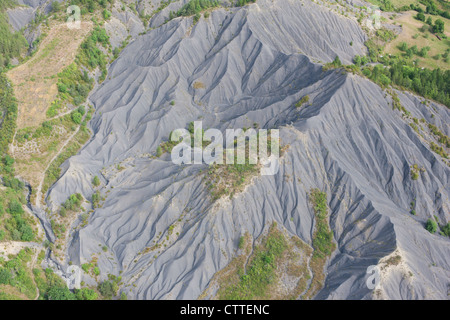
x: 15, y: 273
x: 8, y: 109
x: 12, y: 44
x: 193, y: 8
x: 109, y: 288
x: 302, y: 101
x: 323, y: 244
x: 54, y: 171
x: 261, y: 271
x: 15, y: 224
x: 52, y: 287
x: 431, y: 225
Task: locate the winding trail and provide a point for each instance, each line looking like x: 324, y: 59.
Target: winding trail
x: 41, y: 182
x: 33, y: 263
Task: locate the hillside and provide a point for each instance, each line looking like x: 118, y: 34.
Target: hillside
x: 364, y: 158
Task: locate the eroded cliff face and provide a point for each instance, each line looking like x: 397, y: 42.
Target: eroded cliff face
x: 237, y: 68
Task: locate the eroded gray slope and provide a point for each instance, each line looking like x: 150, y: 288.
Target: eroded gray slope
x: 348, y: 142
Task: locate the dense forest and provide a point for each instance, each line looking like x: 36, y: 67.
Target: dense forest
x: 88, y: 5
x: 194, y: 7
x: 17, y: 224
x: 8, y: 109
x: 434, y: 84
x: 11, y: 43
x: 402, y: 71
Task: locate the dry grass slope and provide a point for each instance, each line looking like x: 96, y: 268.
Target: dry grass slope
x: 413, y: 36
x: 35, y: 81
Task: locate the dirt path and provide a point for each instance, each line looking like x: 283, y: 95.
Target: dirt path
x: 13, y: 247
x: 61, y: 114
x: 33, y: 264
x: 41, y: 180
x: 249, y: 256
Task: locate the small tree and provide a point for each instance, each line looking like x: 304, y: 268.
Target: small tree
x: 431, y: 226
x: 438, y: 26
x: 5, y: 276
x: 403, y: 46
x: 60, y: 293
x: 96, y: 181
x: 81, y: 110
x: 106, y: 14
x: 158, y: 151
x: 56, y: 6
x: 62, y: 212
x: 337, y: 62
x: 86, y: 294
x: 106, y: 289
x: 420, y: 16
x: 76, y: 117
x: 15, y: 208
x: 446, y: 230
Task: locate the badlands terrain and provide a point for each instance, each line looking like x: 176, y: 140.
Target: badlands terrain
x: 363, y: 170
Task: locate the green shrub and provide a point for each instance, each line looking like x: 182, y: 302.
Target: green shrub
x: 302, y: 101
x: 12, y: 44
x: 420, y: 16
x: 261, y: 270
x: 96, y: 199
x: 56, y: 6
x: 241, y: 242
x: 15, y: 208
x: 86, y: 294
x: 241, y: 3
x: 96, y: 181
x: 62, y: 212
x: 60, y: 293
x: 194, y: 7
x: 108, y: 289
x: 81, y: 110
x: 403, y: 46
x: 446, y: 229
x: 431, y: 225
x: 332, y: 65
x: 8, y: 109
x: 76, y: 117
x: 159, y: 151
x: 438, y: 26
x: 106, y: 14
x: 5, y: 276
x: 73, y: 202
x: 13, y: 183
x: 323, y: 240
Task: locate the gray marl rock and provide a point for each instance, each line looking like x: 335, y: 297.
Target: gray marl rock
x: 20, y: 17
